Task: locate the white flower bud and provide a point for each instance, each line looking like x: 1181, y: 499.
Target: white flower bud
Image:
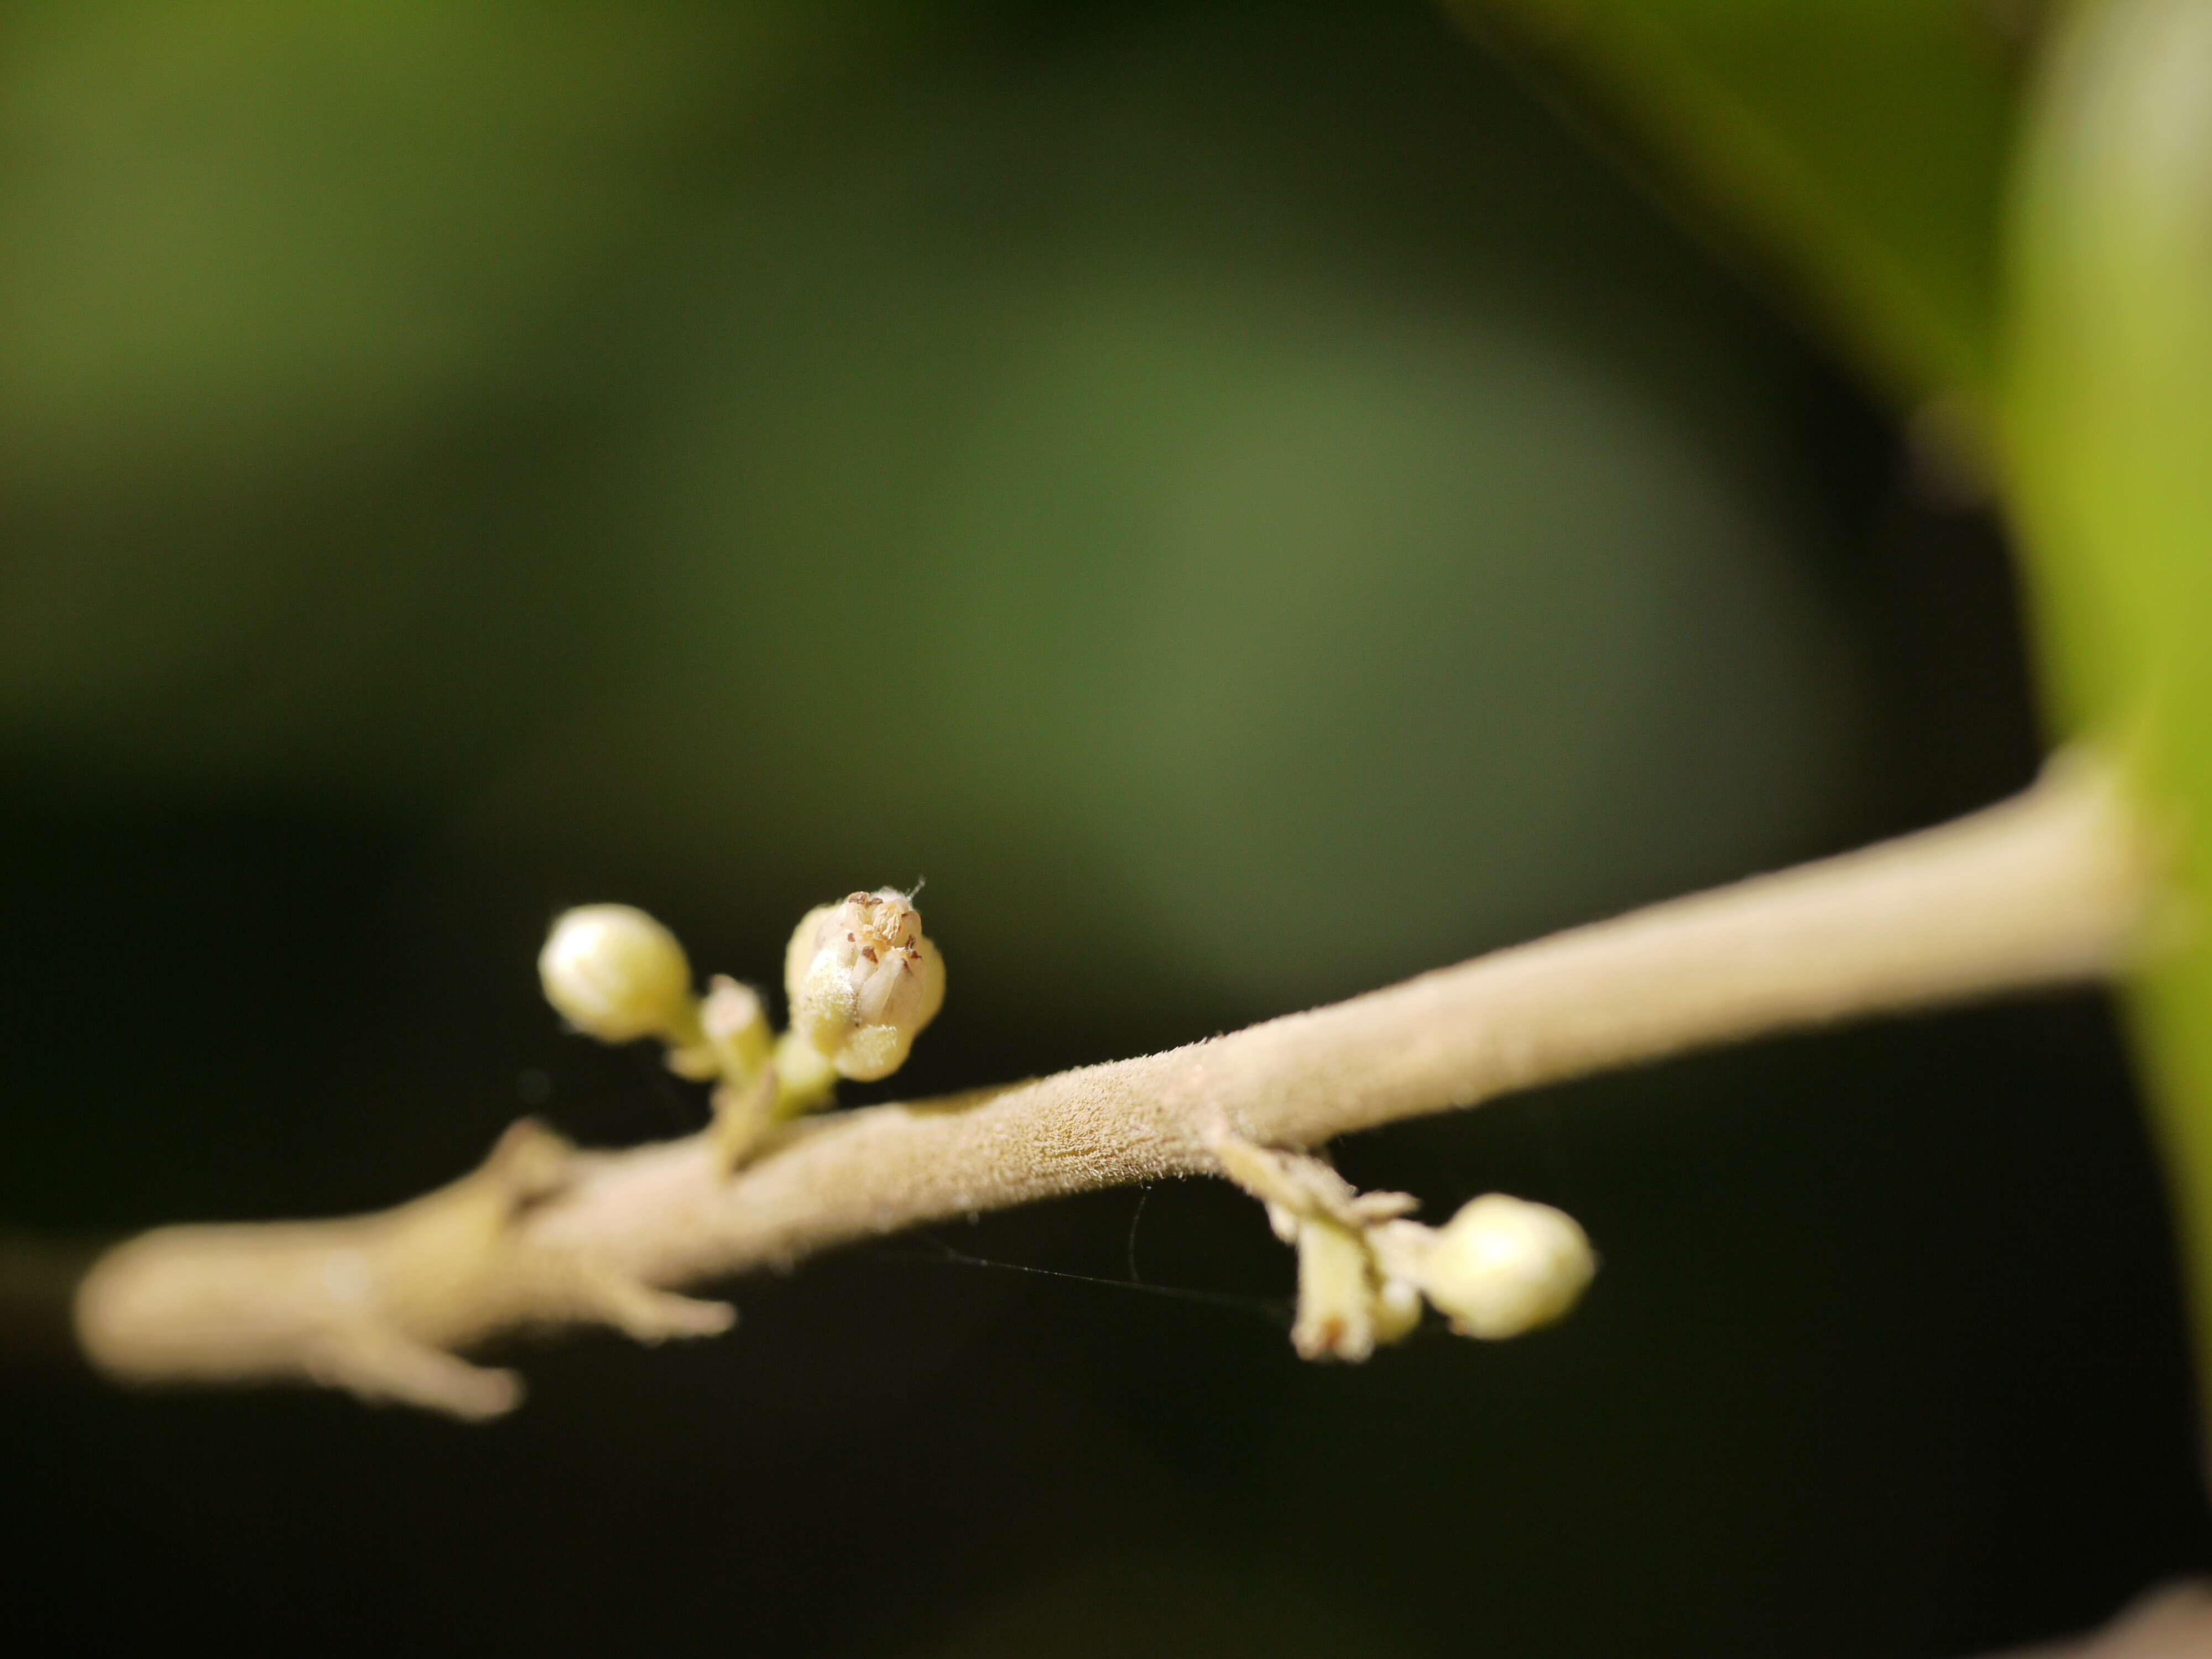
x: 1504, y: 1266
x: 863, y: 982
x: 616, y: 973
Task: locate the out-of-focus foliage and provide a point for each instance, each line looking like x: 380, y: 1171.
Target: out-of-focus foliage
x: 2109, y: 413
x: 265, y: 270
x: 1855, y: 147
x: 1060, y: 480
x: 239, y: 238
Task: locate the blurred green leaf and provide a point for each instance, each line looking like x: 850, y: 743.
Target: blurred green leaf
x: 2109, y: 423
x: 238, y: 235
x: 297, y: 342
x: 1148, y: 472
x: 1137, y: 566
x: 1855, y: 148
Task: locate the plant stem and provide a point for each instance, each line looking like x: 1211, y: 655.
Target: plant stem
x: 2053, y: 887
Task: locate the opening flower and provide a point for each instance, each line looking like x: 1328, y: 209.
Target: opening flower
x: 863, y: 980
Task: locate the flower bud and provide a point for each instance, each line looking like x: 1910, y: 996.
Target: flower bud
x: 863, y: 982
x: 616, y: 973
x: 1504, y: 1266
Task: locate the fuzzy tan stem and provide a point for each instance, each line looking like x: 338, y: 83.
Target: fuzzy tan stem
x: 2051, y: 888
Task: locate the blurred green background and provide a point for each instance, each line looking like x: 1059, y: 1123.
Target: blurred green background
x: 1246, y: 487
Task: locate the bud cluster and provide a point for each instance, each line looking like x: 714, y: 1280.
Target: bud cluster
x: 863, y: 982
x: 1500, y: 1267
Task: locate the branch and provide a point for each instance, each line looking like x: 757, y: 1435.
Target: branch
x: 2051, y: 888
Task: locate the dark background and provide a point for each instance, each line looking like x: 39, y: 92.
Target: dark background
x: 1247, y: 506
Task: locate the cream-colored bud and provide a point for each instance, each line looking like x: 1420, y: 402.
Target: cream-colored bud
x: 863, y: 982
x: 616, y: 973
x: 1504, y: 1266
